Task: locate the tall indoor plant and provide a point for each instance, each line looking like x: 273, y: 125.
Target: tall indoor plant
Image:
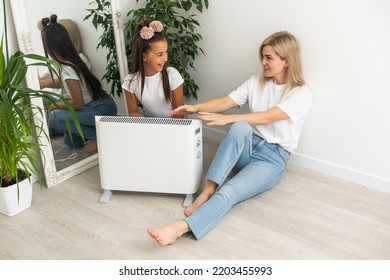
x: 178, y: 17
x: 20, y: 122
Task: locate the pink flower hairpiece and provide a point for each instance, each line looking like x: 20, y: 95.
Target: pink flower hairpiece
x: 156, y: 25
x: 147, y: 32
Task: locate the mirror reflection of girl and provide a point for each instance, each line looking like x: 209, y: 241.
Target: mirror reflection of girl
x: 82, y: 89
x: 152, y: 84
x: 46, y: 81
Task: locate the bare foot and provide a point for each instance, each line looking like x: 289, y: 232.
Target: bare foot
x: 168, y: 234
x: 90, y: 148
x: 207, y: 192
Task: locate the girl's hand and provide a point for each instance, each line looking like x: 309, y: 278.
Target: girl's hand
x: 214, y: 119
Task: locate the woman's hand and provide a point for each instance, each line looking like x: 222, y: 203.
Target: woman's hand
x: 215, y: 119
x: 184, y: 110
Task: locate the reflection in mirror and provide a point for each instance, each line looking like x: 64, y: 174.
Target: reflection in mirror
x: 60, y: 161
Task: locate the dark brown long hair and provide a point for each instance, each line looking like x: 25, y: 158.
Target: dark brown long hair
x: 57, y: 42
x: 139, y: 48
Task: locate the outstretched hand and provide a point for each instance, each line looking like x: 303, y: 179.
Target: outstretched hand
x: 210, y: 118
x: 214, y: 119
x: 184, y: 110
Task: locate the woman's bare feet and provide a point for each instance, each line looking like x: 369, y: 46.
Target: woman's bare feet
x: 208, y: 191
x: 90, y: 148
x: 168, y: 234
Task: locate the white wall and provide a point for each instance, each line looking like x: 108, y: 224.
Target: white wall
x: 345, y: 50
x: 346, y: 57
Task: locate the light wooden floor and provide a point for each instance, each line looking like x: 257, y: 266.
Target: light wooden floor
x: 307, y: 216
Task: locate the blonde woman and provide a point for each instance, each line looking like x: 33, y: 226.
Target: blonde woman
x: 257, y: 145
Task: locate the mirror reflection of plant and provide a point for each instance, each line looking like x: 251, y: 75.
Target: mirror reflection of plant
x: 19, y: 116
x: 183, y: 38
x: 101, y: 16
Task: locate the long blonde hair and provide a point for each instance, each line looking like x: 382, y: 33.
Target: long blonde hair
x: 73, y: 32
x: 287, y: 48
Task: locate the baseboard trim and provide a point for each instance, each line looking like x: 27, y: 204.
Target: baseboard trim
x: 328, y: 168
x: 342, y: 172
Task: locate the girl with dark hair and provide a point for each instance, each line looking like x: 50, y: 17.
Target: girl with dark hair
x: 82, y: 89
x: 151, y: 84
x: 46, y: 80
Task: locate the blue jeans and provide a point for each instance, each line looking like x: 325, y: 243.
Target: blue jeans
x: 258, y: 166
x: 86, y: 118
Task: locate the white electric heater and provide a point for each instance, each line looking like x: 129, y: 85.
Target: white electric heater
x: 161, y: 155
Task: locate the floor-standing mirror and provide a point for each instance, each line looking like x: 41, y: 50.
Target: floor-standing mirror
x: 59, y: 161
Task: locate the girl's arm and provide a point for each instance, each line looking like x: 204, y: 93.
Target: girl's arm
x: 132, y: 104
x: 177, y: 99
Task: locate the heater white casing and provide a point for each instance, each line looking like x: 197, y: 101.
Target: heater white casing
x: 161, y: 155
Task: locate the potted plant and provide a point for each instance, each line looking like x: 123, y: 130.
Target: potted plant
x: 183, y: 38
x: 21, y: 121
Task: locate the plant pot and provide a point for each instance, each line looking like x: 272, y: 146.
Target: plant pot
x: 9, y: 204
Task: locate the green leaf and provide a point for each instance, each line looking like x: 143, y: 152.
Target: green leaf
x: 19, y: 125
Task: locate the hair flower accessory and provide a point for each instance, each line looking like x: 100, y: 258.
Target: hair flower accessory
x: 147, y: 32
x: 156, y: 25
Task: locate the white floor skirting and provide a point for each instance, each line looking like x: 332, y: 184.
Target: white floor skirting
x: 324, y: 167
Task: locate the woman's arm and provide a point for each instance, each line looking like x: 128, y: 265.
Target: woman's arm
x: 47, y: 81
x: 132, y: 104
x: 217, y: 105
x: 258, y: 118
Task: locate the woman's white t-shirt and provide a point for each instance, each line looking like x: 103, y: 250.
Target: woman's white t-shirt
x: 153, y: 99
x: 295, y: 103
x: 85, y: 60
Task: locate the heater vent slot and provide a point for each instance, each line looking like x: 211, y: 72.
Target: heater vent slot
x: 134, y: 120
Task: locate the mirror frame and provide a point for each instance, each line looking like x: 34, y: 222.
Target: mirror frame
x: 22, y: 28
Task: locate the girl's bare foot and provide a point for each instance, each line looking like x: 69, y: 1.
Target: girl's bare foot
x: 168, y: 234
x: 90, y: 148
x: 207, y: 192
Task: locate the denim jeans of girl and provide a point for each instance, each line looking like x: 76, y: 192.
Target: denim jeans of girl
x: 257, y: 166
x: 86, y: 118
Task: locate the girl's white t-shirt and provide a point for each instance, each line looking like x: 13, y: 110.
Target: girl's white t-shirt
x: 295, y: 103
x: 69, y: 73
x: 153, y: 99
x: 66, y: 93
